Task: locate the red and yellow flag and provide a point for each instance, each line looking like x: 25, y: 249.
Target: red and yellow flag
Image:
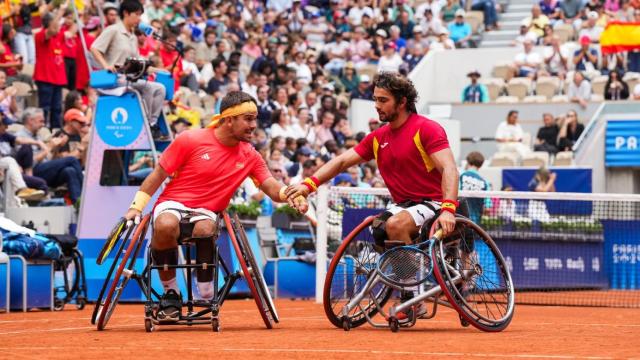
x: 620, y: 36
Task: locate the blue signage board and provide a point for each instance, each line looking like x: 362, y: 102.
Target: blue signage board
x: 621, y: 146
x: 118, y: 119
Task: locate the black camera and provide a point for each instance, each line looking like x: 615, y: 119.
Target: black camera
x: 135, y: 68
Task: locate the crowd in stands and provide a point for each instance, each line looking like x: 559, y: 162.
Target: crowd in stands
x: 568, y: 33
x: 304, y: 61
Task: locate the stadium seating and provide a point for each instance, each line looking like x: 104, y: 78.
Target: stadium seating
x: 536, y: 158
x: 598, y: 84
x: 507, y: 99
x: 547, y: 86
x: 560, y: 99
x: 501, y: 70
x: 563, y: 158
x: 504, y: 159
x: 519, y: 87
x: 495, y: 86
x: 535, y: 99
x: 565, y: 32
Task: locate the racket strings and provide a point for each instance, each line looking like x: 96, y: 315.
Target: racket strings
x: 405, y: 266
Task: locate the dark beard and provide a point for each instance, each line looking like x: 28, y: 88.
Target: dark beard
x: 390, y: 117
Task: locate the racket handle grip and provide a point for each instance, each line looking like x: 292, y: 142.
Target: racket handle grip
x: 438, y: 234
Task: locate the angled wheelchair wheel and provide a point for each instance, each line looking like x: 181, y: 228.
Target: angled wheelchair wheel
x: 107, y: 280
x: 122, y: 275
x: 245, y: 256
x: 475, y: 277
x: 352, y: 265
x: 261, y: 284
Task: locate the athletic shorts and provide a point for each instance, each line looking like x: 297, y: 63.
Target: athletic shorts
x: 420, y: 213
x: 168, y: 206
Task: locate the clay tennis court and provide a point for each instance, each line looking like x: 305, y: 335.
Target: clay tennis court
x: 304, y: 333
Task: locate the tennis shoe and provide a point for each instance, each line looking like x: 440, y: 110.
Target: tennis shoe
x: 170, y: 307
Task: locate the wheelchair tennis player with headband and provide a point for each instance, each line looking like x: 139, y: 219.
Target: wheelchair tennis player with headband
x: 205, y: 167
x: 414, y: 160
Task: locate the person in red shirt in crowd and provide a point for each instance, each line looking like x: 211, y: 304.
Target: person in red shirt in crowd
x: 168, y: 56
x: 70, y: 48
x: 9, y: 62
x: 206, y: 166
x: 49, y: 73
x: 90, y: 33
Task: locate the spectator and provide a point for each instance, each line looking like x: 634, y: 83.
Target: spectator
x: 443, y: 42
x: 191, y: 76
x: 528, y: 62
x: 323, y: 131
x: 299, y: 157
x: 308, y: 168
x: 117, y: 43
x: 431, y: 24
x: 180, y: 125
x: 303, y: 72
x: 449, y: 10
x: 616, y: 88
x: 374, y: 124
x: 570, y: 131
x: 509, y: 135
x: 432, y: 6
x: 356, y: 13
x: 9, y: 62
x: 359, y: 48
x: 336, y: 51
x: 537, y: 21
x: 556, y: 59
x: 205, y: 50
x: 217, y: 86
x: 110, y: 11
x: 281, y: 124
x: 570, y: 10
x: 8, y: 105
x: 70, y: 48
x: 418, y: 38
x: 349, y: 78
x: 579, y: 89
x: 24, y: 41
x: 460, y: 31
x: 551, y: 9
x: 591, y: 29
x: 405, y: 24
x: 547, y: 137
x: 400, y: 42
x: 356, y: 177
x: 315, y: 31
x: 488, y: 7
x: 390, y: 60
x: 265, y: 107
x: 471, y: 180
x: 413, y: 58
x: 543, y: 181
x: 49, y: 73
x: 586, y: 58
x: 475, y: 92
x: 13, y: 172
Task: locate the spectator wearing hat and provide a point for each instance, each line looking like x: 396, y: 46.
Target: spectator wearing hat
x: 579, y: 89
x: 590, y: 27
x: 460, y: 31
x: 585, y: 58
x: 344, y: 180
x: 49, y: 72
x: 390, y: 60
x: 418, y: 38
x: 349, y: 78
x: 443, y: 42
x: 357, y: 12
x: 75, y: 126
x: 359, y: 48
x: 475, y: 92
x: 377, y: 46
x: 296, y: 16
x: 537, y: 21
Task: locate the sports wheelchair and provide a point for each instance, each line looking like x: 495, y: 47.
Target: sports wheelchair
x: 71, y: 264
x: 198, y: 311
x: 464, y: 271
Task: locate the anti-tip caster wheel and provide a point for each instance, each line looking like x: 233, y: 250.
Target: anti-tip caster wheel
x: 215, y: 325
x: 394, y: 324
x: 346, y: 323
x: 80, y: 303
x: 464, y: 322
x: 148, y: 325
x: 58, y: 304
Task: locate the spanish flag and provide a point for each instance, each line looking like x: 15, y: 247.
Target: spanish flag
x: 620, y: 36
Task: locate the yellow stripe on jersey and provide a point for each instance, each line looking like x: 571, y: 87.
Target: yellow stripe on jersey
x: 255, y: 181
x: 375, y: 148
x: 428, y: 163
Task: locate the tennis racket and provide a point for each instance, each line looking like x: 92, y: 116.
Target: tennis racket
x: 409, y: 265
x: 114, y: 236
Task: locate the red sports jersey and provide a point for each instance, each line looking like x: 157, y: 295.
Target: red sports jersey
x: 205, y: 172
x: 403, y: 158
x: 49, y: 67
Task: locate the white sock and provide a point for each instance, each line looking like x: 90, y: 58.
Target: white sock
x: 205, y: 289
x: 171, y: 284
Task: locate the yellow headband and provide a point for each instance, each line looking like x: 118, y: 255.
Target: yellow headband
x: 243, y: 108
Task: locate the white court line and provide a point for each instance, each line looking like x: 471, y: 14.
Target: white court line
x: 385, y: 352
x: 332, y: 351
x: 63, y: 329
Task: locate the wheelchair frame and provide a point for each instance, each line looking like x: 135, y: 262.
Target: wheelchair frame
x: 249, y: 270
